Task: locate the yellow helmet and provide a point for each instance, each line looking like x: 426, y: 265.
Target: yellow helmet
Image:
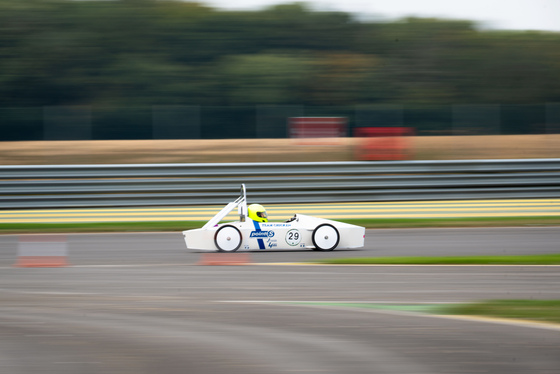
x: 257, y: 213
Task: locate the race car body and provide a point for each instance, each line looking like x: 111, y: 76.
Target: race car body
x: 301, y: 231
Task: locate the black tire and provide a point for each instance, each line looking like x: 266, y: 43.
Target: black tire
x: 319, y: 244
x: 218, y: 239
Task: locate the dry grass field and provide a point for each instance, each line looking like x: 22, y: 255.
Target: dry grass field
x: 270, y: 150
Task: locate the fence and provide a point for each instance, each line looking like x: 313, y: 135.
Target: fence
x: 61, y: 186
x: 267, y: 121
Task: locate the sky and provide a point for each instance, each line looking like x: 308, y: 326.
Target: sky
x: 492, y: 14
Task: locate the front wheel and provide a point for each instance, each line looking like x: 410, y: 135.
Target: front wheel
x: 227, y: 239
x: 325, y: 237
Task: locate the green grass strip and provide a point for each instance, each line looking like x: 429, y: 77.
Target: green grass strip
x: 454, y: 222
x: 6, y: 228
x: 547, y: 259
x: 536, y: 310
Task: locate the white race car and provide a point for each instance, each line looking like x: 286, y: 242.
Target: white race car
x: 300, y: 231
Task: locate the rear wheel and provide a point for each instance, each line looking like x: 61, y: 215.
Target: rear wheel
x: 227, y: 239
x: 325, y: 237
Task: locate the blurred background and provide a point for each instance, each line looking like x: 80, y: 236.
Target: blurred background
x: 171, y: 70
x: 150, y: 82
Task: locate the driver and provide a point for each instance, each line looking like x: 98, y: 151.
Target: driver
x: 257, y: 213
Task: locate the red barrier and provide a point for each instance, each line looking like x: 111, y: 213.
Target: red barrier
x: 224, y: 259
x: 383, y: 143
x: 318, y: 128
x: 48, y: 250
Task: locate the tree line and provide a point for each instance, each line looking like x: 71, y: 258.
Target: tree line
x: 133, y: 53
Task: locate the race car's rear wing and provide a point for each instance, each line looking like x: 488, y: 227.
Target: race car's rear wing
x: 240, y: 203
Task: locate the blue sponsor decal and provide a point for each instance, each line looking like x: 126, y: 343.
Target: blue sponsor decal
x: 271, y: 242
x: 262, y: 234
x: 258, y: 229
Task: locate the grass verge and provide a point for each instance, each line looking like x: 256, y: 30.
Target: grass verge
x: 454, y: 222
x: 549, y: 259
x: 536, y: 310
x: 7, y: 228
x: 533, y: 310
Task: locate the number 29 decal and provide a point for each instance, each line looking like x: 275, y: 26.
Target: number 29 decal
x: 293, y: 237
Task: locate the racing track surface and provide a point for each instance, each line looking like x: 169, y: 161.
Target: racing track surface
x: 169, y: 248
x: 135, y: 303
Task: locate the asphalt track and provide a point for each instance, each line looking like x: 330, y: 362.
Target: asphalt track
x: 137, y: 303
x: 169, y: 248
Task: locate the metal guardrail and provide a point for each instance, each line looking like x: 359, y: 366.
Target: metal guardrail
x: 61, y: 186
